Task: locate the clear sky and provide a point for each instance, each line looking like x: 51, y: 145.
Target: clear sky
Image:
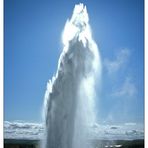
x: 32, y: 46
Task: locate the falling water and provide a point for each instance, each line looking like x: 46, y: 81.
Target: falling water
x: 70, y: 95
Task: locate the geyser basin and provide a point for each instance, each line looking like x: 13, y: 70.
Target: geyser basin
x: 70, y: 96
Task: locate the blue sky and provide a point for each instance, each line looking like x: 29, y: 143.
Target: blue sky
x: 33, y: 44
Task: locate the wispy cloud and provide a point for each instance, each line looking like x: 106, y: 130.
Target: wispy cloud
x: 121, y: 58
x: 22, y: 130
x: 128, y: 89
x: 130, y: 124
x: 124, y: 131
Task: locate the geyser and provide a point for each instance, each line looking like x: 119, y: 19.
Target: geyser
x: 70, y: 96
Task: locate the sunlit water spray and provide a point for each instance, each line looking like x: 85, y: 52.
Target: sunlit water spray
x: 69, y: 105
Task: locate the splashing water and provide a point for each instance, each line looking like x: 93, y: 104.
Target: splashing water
x: 69, y: 99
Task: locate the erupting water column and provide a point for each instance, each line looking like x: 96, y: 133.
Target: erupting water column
x: 69, y: 98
